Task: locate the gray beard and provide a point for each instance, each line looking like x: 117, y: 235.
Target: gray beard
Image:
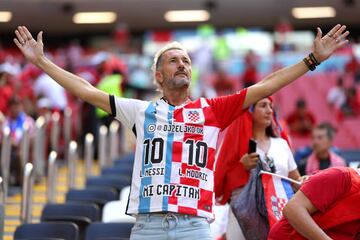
x: 176, y: 84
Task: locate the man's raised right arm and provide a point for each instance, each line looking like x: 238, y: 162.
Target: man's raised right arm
x: 33, y: 51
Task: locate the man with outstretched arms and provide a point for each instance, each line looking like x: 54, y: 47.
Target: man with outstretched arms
x: 172, y: 186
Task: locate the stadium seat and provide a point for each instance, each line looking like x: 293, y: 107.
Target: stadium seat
x: 117, y: 170
x: 114, y: 231
x: 127, y: 159
x: 352, y: 157
x: 47, y: 231
x: 82, y: 214
x: 117, y: 182
x: 96, y: 195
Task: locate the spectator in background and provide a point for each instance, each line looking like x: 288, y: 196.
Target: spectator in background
x: 336, y: 96
x: 283, y: 31
x: 139, y: 76
x: 222, y: 84
x: 92, y: 73
x: 6, y: 86
x: 250, y: 73
x: 301, y: 121
x: 112, y: 85
x: 204, y: 63
x: 352, y: 104
x: 353, y: 68
x: 112, y: 82
x: 16, y: 120
x: 44, y: 86
x: 27, y: 78
x: 323, y: 157
x: 43, y: 108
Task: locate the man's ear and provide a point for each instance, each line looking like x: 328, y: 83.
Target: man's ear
x: 159, y: 77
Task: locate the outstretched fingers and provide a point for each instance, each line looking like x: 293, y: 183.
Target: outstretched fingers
x: 333, y: 30
x: 22, y: 33
x: 344, y: 35
x: 27, y: 33
x: 341, y: 40
x: 17, y: 43
x: 338, y: 34
x: 339, y: 31
x: 19, y: 37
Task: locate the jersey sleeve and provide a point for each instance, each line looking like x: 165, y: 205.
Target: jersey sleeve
x: 124, y: 110
x: 325, y: 187
x: 228, y: 108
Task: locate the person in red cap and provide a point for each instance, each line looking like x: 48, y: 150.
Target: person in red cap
x: 327, y: 206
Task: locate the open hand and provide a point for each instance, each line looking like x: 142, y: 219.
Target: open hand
x: 32, y: 49
x: 326, y: 45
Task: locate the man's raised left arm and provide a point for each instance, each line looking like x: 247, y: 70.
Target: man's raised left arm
x: 323, y: 48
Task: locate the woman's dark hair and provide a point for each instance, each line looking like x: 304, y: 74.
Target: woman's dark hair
x: 269, y: 131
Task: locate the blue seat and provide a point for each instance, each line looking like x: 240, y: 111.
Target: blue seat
x: 96, y: 195
x: 82, y: 214
x: 351, y: 156
x: 114, y: 231
x: 117, y: 182
x: 127, y: 159
x: 117, y: 171
x: 47, y: 231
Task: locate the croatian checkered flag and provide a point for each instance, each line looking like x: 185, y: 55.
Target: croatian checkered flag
x: 277, y: 192
x: 193, y: 116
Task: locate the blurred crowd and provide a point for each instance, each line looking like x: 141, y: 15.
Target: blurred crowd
x: 27, y: 93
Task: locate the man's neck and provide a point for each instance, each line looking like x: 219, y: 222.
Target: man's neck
x: 176, y: 98
x: 323, y: 155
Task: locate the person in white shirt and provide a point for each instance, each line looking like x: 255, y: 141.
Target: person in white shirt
x: 336, y: 96
x: 45, y: 86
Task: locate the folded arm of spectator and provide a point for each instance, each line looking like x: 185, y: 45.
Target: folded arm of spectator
x: 298, y: 212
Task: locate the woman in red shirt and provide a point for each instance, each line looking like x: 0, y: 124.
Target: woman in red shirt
x: 326, y: 207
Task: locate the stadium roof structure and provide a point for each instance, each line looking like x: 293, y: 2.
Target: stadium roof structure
x: 55, y: 16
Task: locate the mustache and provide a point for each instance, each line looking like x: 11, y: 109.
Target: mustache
x: 181, y: 72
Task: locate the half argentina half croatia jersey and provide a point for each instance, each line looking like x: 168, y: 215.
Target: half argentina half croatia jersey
x: 175, y: 151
